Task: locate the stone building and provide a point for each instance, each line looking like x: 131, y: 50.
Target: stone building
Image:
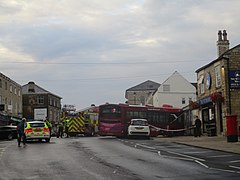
x: 141, y: 94
x: 219, y: 86
x: 39, y: 103
x: 10, y: 97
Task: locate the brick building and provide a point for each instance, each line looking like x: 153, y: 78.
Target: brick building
x: 219, y: 86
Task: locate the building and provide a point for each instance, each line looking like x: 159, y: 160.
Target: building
x: 141, y: 94
x: 219, y: 86
x: 10, y: 98
x: 39, y: 103
x: 175, y: 91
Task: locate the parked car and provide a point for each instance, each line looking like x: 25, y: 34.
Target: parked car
x: 37, y: 130
x: 139, y: 127
x: 8, y: 132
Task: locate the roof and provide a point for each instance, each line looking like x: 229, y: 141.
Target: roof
x: 223, y: 56
x: 195, y: 85
x: 147, y: 85
x: 37, y: 89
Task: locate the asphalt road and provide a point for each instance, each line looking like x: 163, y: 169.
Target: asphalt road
x: 105, y: 158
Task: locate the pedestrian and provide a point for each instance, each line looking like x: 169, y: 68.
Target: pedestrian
x: 21, y: 132
x: 198, y: 125
x: 66, y: 127
x: 60, y: 130
x: 49, y: 125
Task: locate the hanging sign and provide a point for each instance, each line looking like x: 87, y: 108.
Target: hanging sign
x: 234, y: 77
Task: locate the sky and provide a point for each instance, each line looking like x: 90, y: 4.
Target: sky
x: 91, y: 52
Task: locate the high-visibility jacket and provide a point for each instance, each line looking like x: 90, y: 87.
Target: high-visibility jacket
x: 66, y: 123
x: 48, y: 124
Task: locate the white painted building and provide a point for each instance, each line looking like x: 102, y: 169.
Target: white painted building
x: 175, y: 91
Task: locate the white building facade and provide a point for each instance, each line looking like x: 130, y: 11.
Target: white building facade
x: 175, y: 91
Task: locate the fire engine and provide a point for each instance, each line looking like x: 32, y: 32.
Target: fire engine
x: 82, y: 122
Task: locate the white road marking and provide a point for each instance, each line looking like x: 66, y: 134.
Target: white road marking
x: 236, y: 167
x: 148, y: 147
x: 225, y: 170
x: 179, y: 154
x: 196, y: 152
x: 217, y: 156
x: 204, y: 165
x: 235, y: 161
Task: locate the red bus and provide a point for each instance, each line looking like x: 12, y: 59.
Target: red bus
x: 114, y: 119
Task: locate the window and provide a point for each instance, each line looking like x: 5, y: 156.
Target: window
x: 6, y: 86
x: 202, y: 88
x: 19, y: 93
x: 0, y: 83
x: 218, y: 76
x: 183, y: 101
x: 0, y: 99
x: 166, y: 88
x: 201, y: 84
x: 142, y: 100
x: 11, y: 88
x: 15, y: 90
x: 40, y: 100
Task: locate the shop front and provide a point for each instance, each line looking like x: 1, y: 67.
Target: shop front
x: 207, y: 110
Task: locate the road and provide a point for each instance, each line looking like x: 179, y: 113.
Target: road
x: 107, y: 158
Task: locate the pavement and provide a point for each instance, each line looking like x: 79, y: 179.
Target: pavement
x: 210, y: 142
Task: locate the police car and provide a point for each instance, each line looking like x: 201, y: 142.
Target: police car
x: 139, y: 127
x: 37, y: 130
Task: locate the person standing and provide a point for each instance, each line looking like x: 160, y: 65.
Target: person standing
x: 60, y: 130
x: 66, y: 127
x: 198, y: 125
x: 21, y: 132
x: 49, y: 125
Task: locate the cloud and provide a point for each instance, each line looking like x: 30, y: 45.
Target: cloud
x: 92, y: 51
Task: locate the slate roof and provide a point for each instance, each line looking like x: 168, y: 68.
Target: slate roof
x: 38, y: 90
x: 147, y: 85
x: 219, y: 58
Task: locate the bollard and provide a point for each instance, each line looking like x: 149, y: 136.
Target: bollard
x: 232, y: 132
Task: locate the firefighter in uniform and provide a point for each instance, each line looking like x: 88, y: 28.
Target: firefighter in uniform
x: 60, y: 130
x: 66, y: 127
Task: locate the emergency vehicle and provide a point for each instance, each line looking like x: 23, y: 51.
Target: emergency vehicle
x: 84, y: 123
x: 37, y: 130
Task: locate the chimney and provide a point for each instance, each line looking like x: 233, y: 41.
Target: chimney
x: 31, y: 87
x: 222, y: 43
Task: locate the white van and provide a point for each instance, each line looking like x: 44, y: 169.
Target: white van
x: 139, y: 127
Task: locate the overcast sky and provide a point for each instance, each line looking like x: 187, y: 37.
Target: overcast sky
x: 91, y: 51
